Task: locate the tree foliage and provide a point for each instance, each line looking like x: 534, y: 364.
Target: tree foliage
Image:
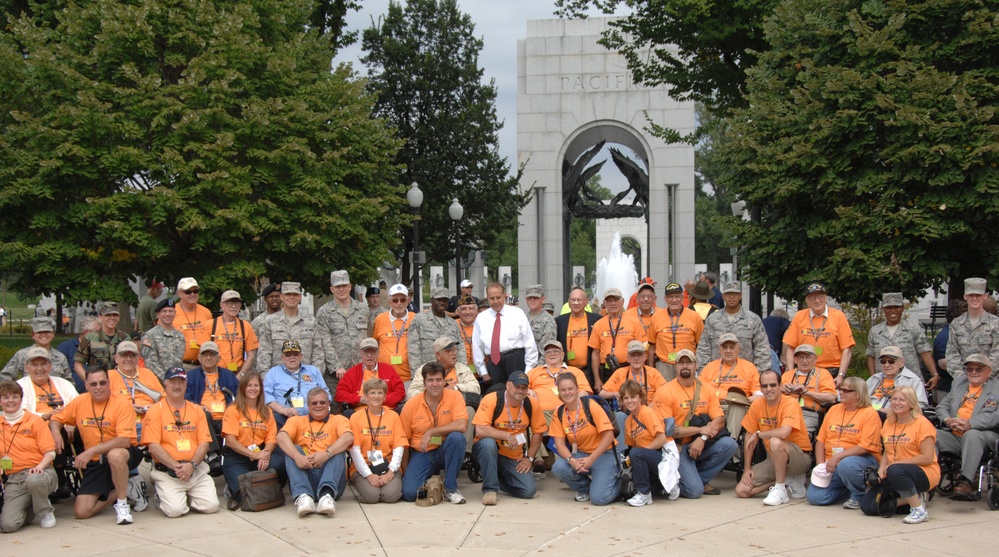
x: 870, y: 144
x: 423, y: 63
x: 178, y: 138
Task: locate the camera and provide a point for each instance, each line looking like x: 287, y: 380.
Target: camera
x: 611, y: 362
x: 871, y: 476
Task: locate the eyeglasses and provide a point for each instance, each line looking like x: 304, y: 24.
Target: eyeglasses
x: 319, y: 403
x: 887, y: 361
x: 98, y: 384
x: 769, y: 385
x: 192, y: 291
x: 842, y: 390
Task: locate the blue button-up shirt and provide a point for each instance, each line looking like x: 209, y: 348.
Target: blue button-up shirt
x: 281, y: 385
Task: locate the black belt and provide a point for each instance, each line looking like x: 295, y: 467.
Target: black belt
x: 511, y: 351
x: 192, y: 362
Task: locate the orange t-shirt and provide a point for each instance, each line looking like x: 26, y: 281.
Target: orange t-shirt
x: 125, y: 387
x: 902, y: 442
x: 969, y: 401
x: 645, y: 320
x: 542, y: 382
x: 160, y: 426
x: 629, y: 328
x: 466, y: 336
x: 47, y: 398
x: 196, y: 326
x: 830, y: 335
x: 512, y: 420
x: 577, y: 429
x: 249, y: 428
x: 392, y: 341
x: 671, y: 334
x: 763, y: 417
x: 719, y: 377
x: 816, y: 380
x: 841, y: 430
x: 418, y: 418
x: 674, y: 401
x: 382, y: 433
x: 231, y: 343
x: 25, y: 442
x: 576, y: 338
x: 213, y: 399
x: 651, y: 380
x: 641, y: 435
x: 97, y: 423
x: 315, y: 437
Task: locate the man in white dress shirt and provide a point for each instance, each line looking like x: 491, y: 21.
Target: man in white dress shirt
x: 514, y: 342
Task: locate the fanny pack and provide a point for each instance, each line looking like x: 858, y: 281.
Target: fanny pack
x: 430, y: 493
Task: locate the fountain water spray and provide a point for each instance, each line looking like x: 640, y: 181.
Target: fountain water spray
x: 616, y: 270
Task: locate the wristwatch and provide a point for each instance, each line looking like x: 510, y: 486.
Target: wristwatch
x: 704, y: 437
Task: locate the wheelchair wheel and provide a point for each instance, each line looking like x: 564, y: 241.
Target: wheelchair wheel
x: 993, y: 498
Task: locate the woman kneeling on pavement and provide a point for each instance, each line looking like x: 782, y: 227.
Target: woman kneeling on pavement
x: 379, y: 443
x: 848, y: 443
x: 585, y: 462
x: 250, y: 436
x: 26, y: 453
x: 645, y: 433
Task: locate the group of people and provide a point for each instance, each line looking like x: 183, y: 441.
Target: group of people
x: 408, y: 395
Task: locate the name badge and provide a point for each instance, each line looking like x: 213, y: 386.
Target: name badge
x: 555, y: 391
x: 218, y: 407
x: 837, y: 450
x: 520, y: 438
x: 298, y: 402
x: 801, y: 402
x: 375, y: 458
x: 194, y: 344
x: 7, y: 463
x: 571, y: 355
x: 818, y: 350
x: 436, y: 440
x: 672, y: 356
x: 396, y: 360
x: 183, y: 444
x: 253, y: 448
x: 232, y: 366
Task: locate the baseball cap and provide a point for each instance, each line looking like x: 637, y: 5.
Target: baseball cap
x: 647, y: 282
x: 466, y: 283
x: 443, y: 343
x: 291, y: 346
x: 815, y: 288
x: 230, y: 295
x: 42, y: 325
x: 127, y: 346
x: 673, y: 288
x: 554, y: 343
x: 175, y: 373
x: 466, y: 301
x: 613, y: 293
x: 891, y: 351
x: 727, y: 337
x: 209, y: 346
x: 186, y: 283
x: 156, y: 284
x: 369, y: 344
x: 686, y: 353
x: 636, y: 346
x: 37, y: 352
x: 978, y: 359
x: 398, y: 289
x: 804, y: 349
x: 518, y: 378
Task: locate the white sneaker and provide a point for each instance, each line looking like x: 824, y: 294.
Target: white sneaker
x: 582, y: 496
x: 851, y: 504
x: 47, y: 520
x: 326, y: 505
x: 777, y: 496
x: 136, y: 494
x: 796, y: 486
x: 674, y: 493
x: 305, y: 504
x: 640, y: 500
x: 454, y: 497
x: 123, y: 512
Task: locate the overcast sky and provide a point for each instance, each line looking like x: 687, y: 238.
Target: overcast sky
x: 500, y: 24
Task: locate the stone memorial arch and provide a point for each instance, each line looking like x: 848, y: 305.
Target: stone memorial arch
x: 574, y: 97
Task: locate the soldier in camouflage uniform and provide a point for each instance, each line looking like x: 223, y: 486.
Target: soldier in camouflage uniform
x: 735, y: 319
x: 343, y: 323
x: 163, y: 345
x: 907, y: 336
x: 373, y: 296
x: 975, y: 332
x: 290, y: 324
x: 272, y: 304
x: 97, y: 349
x: 542, y: 322
x: 428, y: 327
x: 42, y: 332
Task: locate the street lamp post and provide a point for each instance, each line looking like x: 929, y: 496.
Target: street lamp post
x: 456, y: 211
x: 415, y: 198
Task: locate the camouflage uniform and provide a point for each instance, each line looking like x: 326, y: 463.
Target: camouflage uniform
x: 96, y: 350
x: 747, y: 326
x: 966, y: 339
x: 163, y: 349
x: 543, y: 327
x: 910, y: 338
x: 376, y: 312
x: 258, y: 323
x: 342, y: 332
x: 278, y: 328
x: 14, y: 369
x: 423, y: 331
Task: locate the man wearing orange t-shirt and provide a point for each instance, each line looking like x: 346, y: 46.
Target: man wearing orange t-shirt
x: 500, y: 442
x: 572, y: 330
x: 672, y: 330
x: 826, y: 329
x: 776, y: 420
x: 176, y: 432
x: 703, y: 452
x: 235, y: 337
x: 106, y: 424
x: 970, y: 415
x: 391, y: 330
x: 611, y: 336
x: 434, y: 422
x: 193, y: 319
x: 812, y: 386
x: 732, y: 372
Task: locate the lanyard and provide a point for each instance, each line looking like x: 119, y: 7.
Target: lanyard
x: 50, y: 398
x: 644, y: 382
x: 372, y: 431
x: 230, y: 337
x: 722, y: 378
x: 573, y: 421
x: 433, y: 413
x: 973, y: 398
x: 614, y: 331
x: 674, y: 323
x: 99, y: 419
x: 298, y: 390
x: 509, y: 415
x: 815, y: 332
x: 894, y: 440
x: 312, y: 438
x: 13, y: 437
x: 398, y: 333
x: 253, y: 430
x: 846, y: 421
x: 777, y: 413
x: 125, y: 378
x: 212, y: 387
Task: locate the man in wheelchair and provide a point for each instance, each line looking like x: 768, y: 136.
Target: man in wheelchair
x: 968, y: 420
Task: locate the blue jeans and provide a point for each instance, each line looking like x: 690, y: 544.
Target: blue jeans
x: 847, y: 480
x: 621, y: 418
x: 333, y: 475
x: 694, y: 473
x: 601, y: 482
x: 447, y: 457
x: 645, y: 468
x: 500, y: 472
x: 235, y: 465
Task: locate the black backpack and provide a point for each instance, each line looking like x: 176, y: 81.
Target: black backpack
x: 584, y: 401
x: 501, y: 402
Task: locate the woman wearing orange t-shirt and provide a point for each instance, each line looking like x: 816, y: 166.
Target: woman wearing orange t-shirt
x: 250, y: 435
x: 379, y: 444
x: 585, y: 462
x: 645, y: 433
x: 909, y: 462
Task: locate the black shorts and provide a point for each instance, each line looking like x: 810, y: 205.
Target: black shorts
x: 97, y: 475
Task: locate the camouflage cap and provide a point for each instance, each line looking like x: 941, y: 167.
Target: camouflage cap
x: 892, y: 299
x: 42, y: 325
x: 975, y: 286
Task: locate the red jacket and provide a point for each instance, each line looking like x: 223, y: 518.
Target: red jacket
x: 350, y: 385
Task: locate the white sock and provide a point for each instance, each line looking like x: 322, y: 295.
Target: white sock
x: 781, y: 486
x: 122, y: 501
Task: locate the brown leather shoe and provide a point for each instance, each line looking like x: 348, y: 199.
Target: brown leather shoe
x: 962, y: 491
x: 711, y: 490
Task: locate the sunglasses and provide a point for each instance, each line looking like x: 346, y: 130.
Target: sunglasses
x: 769, y: 385
x: 177, y: 420
x: 192, y: 291
x: 887, y: 361
x: 98, y: 384
x: 842, y: 390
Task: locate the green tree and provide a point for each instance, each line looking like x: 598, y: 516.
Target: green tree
x: 186, y: 137
x: 423, y: 63
x: 870, y: 146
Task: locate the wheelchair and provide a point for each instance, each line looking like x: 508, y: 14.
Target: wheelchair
x: 987, y: 477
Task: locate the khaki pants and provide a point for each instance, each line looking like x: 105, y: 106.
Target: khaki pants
x: 175, y: 495
x: 734, y: 413
x: 24, y: 490
x: 367, y: 493
x: 667, y: 370
x: 798, y: 462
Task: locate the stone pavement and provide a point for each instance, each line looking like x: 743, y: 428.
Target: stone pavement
x: 550, y: 524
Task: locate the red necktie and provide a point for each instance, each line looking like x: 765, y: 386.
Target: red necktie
x: 494, y: 349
